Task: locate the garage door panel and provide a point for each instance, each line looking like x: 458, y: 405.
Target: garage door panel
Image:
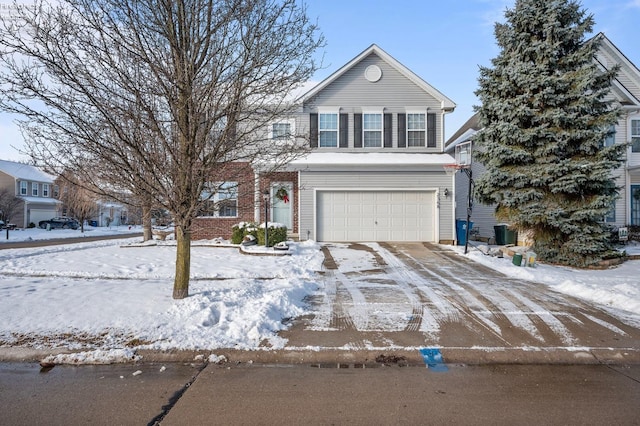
x: 375, y: 216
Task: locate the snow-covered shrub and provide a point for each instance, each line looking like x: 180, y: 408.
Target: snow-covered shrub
x: 243, y: 229
x: 276, y: 232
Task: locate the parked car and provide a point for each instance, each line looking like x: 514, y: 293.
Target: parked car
x: 59, y: 222
x: 8, y: 225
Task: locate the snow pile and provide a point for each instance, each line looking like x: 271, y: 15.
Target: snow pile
x: 109, y: 356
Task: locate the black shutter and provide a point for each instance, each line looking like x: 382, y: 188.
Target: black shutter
x: 431, y: 130
x: 313, y: 130
x: 344, y: 130
x: 402, y: 130
x: 357, y: 130
x: 388, y: 131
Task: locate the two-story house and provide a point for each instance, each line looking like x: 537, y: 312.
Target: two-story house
x: 375, y: 170
x: 34, y: 187
x: 626, y: 92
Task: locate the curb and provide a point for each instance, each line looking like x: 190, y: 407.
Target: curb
x: 368, y: 357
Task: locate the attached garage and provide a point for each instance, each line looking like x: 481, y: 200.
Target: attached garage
x: 375, y: 215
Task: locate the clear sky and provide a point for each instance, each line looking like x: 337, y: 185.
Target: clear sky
x: 443, y: 42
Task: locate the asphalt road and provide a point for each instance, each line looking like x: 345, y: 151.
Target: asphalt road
x: 59, y: 241
x: 232, y: 394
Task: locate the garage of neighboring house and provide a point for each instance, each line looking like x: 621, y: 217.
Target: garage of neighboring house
x: 376, y: 215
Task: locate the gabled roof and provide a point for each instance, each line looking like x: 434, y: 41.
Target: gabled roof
x: 24, y: 172
x: 446, y: 103
x: 630, y: 70
x: 468, y: 129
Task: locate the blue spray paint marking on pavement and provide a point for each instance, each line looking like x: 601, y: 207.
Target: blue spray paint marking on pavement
x: 433, y: 359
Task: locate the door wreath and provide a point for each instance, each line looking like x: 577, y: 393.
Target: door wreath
x: 282, y: 195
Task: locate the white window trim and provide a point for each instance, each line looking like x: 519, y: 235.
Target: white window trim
x: 34, y: 189
x: 215, y: 198
x: 635, y: 117
x: 46, y: 191
x: 329, y: 110
x: 426, y: 124
x: 292, y: 127
x: 371, y: 111
x: 24, y: 185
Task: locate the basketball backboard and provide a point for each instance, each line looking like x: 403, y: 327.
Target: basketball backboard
x: 463, y: 154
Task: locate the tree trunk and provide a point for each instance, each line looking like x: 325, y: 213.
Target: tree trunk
x: 183, y: 263
x: 147, y: 235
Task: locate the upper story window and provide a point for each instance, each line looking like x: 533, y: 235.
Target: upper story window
x: 328, y: 130
x: 372, y: 130
x: 635, y: 135
x: 610, y: 140
x: 23, y: 187
x: 221, y: 200
x: 280, y: 130
x: 34, y: 189
x: 416, y: 129
x: 45, y: 190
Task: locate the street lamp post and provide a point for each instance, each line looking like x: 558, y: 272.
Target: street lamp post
x: 265, y: 197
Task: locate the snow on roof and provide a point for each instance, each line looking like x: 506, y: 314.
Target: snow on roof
x: 24, y: 172
x: 41, y: 200
x: 372, y: 158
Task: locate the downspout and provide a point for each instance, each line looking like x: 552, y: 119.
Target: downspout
x: 453, y: 176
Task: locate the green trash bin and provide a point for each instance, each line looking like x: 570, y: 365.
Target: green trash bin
x: 500, y: 231
x: 517, y: 259
x: 510, y: 236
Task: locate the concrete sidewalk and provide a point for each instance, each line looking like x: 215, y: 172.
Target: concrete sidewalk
x: 300, y: 395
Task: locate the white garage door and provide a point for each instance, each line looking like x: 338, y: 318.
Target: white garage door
x: 36, y: 215
x: 375, y: 216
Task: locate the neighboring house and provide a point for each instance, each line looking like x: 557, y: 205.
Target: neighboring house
x: 625, y: 91
x: 34, y: 187
x: 109, y: 214
x: 375, y: 171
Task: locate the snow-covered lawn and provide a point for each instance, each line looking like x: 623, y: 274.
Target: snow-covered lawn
x: 111, y: 296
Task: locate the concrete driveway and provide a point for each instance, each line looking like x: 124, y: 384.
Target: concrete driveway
x: 406, y: 296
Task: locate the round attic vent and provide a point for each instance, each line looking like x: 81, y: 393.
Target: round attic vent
x: 373, y: 73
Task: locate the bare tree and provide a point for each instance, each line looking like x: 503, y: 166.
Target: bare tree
x: 156, y: 96
x: 10, y: 205
x: 80, y: 202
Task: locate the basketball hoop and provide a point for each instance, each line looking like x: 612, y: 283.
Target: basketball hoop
x: 452, y: 168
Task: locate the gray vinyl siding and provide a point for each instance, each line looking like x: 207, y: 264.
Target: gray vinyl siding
x: 374, y: 180
x: 394, y: 92
x: 482, y: 215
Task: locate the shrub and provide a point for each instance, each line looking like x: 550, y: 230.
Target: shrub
x: 31, y: 225
x: 276, y: 235
x: 243, y: 229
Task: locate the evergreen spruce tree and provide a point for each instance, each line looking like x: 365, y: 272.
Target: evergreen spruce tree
x: 545, y: 115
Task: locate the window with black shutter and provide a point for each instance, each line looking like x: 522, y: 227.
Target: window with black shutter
x: 357, y: 130
x: 431, y: 131
x: 313, y: 130
x: 402, y: 130
x: 344, y: 130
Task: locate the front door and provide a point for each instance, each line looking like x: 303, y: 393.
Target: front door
x: 282, y: 205
x: 635, y: 204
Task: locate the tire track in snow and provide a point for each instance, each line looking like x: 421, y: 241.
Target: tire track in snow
x: 449, y: 308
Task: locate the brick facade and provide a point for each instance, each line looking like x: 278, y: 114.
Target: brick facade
x: 207, y: 228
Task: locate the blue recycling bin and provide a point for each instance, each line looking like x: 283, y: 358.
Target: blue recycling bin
x: 461, y: 231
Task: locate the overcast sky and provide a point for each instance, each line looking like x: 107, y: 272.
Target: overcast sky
x: 442, y: 42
